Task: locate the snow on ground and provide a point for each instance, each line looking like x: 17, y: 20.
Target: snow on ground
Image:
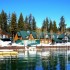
x: 2, y: 44
x: 14, y: 44
x: 62, y: 44
x: 68, y: 43
x: 57, y: 44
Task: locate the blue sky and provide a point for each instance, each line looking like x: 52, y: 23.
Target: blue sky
x: 40, y: 9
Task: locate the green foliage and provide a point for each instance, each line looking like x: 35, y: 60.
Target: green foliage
x: 13, y: 24
x: 3, y: 20
x: 62, y: 25
x: 26, y: 24
x: 20, y: 22
x: 10, y: 24
x: 50, y: 26
x: 30, y: 22
x: 33, y: 24
x: 45, y: 25
x: 54, y: 27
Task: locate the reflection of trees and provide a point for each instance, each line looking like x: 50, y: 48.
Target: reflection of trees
x: 69, y: 58
x: 62, y: 62
x: 18, y: 64
x: 21, y: 64
x: 13, y: 63
x: 2, y: 65
x: 53, y: 62
x: 32, y: 63
x: 28, y: 63
x: 5, y: 64
x: 45, y: 64
x: 50, y: 63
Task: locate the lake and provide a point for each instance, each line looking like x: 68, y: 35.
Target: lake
x: 37, y: 60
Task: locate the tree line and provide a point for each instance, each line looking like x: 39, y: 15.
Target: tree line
x: 10, y: 23
x: 49, y: 25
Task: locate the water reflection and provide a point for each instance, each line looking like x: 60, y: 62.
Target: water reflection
x: 35, y: 61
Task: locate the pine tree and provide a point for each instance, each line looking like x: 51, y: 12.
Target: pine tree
x: 13, y: 24
x: 62, y: 25
x: 50, y: 26
x: 54, y: 27
x: 3, y: 20
x: 30, y: 22
x: 43, y: 26
x: 20, y: 22
x: 9, y: 23
x: 33, y: 24
x: 26, y: 24
x: 47, y: 23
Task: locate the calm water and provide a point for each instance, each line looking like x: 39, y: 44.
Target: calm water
x: 36, y: 61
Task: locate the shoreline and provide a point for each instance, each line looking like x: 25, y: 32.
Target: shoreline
x: 38, y: 48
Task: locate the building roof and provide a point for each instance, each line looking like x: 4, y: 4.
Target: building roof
x: 61, y: 36
x: 18, y: 33
x: 57, y: 40
x: 25, y: 34
x: 48, y: 35
x: 34, y: 34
